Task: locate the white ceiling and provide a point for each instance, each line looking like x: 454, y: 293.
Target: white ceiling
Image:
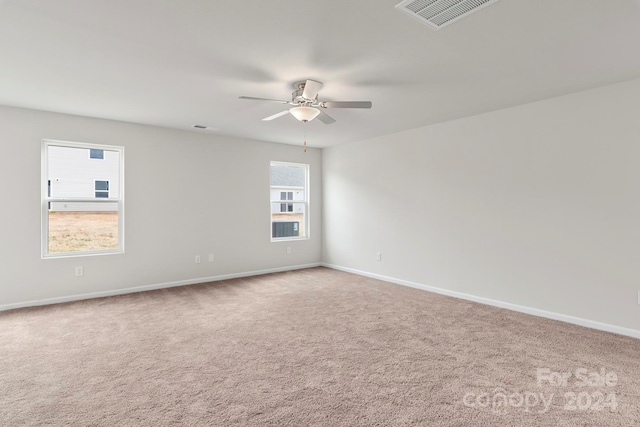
x: 178, y: 63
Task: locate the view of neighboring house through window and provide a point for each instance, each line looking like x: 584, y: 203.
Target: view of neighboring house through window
x: 82, y: 199
x: 289, y: 201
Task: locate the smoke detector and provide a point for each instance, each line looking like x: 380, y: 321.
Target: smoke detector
x: 440, y: 13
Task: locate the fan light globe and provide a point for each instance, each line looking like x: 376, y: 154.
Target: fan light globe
x: 304, y: 114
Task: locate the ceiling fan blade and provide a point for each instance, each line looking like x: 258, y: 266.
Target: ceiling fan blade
x: 275, y: 116
x: 263, y: 99
x: 311, y: 89
x: 325, y: 118
x: 346, y: 104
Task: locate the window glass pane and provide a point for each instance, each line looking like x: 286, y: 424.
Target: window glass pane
x: 96, y: 154
x: 73, y: 175
x: 287, y: 176
x: 291, y: 221
x: 82, y: 201
x: 288, y: 200
x: 82, y: 226
x: 102, y: 185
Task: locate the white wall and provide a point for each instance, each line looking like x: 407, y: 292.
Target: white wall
x: 178, y: 204
x: 537, y: 205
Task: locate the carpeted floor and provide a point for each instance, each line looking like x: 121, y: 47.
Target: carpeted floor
x: 311, y: 347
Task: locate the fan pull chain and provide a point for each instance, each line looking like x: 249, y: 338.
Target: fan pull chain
x: 305, y: 142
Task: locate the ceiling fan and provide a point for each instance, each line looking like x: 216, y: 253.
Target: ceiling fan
x: 306, y: 105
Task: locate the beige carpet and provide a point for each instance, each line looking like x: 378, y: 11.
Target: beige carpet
x: 312, y: 347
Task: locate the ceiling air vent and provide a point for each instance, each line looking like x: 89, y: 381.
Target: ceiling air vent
x: 440, y: 13
x: 203, y: 127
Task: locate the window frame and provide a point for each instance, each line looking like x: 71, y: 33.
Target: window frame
x: 306, y: 201
x: 46, y: 198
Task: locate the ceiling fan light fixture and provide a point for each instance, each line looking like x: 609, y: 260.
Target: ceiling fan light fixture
x: 306, y: 105
x: 304, y: 114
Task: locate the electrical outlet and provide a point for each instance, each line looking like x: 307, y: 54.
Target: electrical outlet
x: 288, y: 249
x: 79, y: 271
x: 379, y: 256
x: 211, y: 258
x: 198, y: 259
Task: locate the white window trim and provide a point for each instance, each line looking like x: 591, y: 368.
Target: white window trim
x: 307, y: 217
x: 45, y: 199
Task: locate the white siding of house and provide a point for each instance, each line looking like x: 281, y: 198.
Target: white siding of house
x: 298, y: 196
x: 83, y: 207
x: 72, y: 174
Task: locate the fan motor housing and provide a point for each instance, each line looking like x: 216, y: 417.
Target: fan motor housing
x: 296, y: 95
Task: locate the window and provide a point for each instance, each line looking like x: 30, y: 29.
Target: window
x: 286, y: 207
x: 82, y: 200
x: 289, y: 183
x: 96, y: 154
x: 102, y: 189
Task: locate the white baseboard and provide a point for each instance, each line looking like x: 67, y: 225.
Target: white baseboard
x: 58, y: 300
x: 514, y: 307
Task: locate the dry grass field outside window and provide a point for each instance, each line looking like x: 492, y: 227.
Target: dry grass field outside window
x: 93, y: 231
x: 82, y: 231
